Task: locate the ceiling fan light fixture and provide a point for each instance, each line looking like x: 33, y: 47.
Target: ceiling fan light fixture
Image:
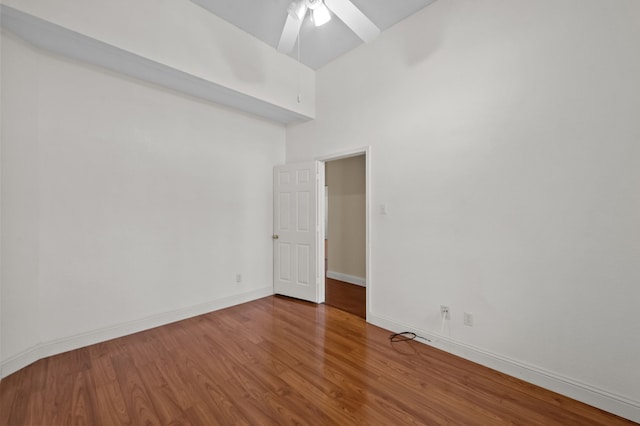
x: 321, y: 15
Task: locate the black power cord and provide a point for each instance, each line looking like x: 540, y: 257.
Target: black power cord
x: 405, y: 336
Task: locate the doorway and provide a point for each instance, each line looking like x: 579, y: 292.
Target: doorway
x: 345, y: 244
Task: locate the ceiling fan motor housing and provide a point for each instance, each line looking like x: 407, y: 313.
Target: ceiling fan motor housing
x: 314, y: 4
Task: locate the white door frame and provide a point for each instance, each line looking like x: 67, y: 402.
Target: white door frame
x: 367, y: 158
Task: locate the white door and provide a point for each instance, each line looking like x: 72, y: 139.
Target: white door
x: 297, y: 228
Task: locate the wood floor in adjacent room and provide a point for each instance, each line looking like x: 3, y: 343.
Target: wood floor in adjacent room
x: 348, y: 297
x: 270, y: 362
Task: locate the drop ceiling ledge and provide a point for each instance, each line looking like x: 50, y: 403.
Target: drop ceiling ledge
x: 71, y: 44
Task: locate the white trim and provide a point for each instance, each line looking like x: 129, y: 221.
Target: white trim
x: 320, y: 231
x: 344, y: 154
x: 368, y: 189
x: 351, y: 279
x: 567, y: 386
x: 45, y: 349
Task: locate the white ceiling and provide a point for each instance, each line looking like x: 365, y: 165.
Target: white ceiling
x: 265, y: 19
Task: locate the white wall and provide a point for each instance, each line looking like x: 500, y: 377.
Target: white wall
x: 505, y: 141
x: 124, y: 205
x: 19, y: 304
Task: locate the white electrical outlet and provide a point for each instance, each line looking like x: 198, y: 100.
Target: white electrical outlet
x: 238, y: 278
x: 444, y: 312
x: 468, y: 319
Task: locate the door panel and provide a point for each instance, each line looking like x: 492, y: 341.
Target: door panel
x: 296, y: 229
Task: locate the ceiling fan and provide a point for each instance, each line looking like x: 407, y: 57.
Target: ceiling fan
x: 343, y: 9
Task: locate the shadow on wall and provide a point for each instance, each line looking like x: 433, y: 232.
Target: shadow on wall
x: 248, y: 71
x: 423, y: 40
x: 244, y: 69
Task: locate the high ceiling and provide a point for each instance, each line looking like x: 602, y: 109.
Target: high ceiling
x: 265, y: 19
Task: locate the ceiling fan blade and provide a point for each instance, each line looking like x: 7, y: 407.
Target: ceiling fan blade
x: 296, y: 12
x: 354, y: 18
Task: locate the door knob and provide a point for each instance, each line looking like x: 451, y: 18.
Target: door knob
x: 275, y: 236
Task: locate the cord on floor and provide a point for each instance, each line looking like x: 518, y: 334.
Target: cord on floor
x: 405, y: 336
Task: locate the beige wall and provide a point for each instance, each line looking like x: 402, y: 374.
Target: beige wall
x: 346, y: 181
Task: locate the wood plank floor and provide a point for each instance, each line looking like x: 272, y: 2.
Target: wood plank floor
x: 348, y: 297
x: 270, y: 362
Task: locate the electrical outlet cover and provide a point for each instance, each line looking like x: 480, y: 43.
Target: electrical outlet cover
x: 468, y: 319
x: 445, y: 311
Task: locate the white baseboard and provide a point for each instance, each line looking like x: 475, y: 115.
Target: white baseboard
x: 45, y: 349
x: 351, y: 279
x: 616, y: 404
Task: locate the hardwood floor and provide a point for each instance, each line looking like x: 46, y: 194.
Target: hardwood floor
x: 270, y: 362
x: 348, y: 297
